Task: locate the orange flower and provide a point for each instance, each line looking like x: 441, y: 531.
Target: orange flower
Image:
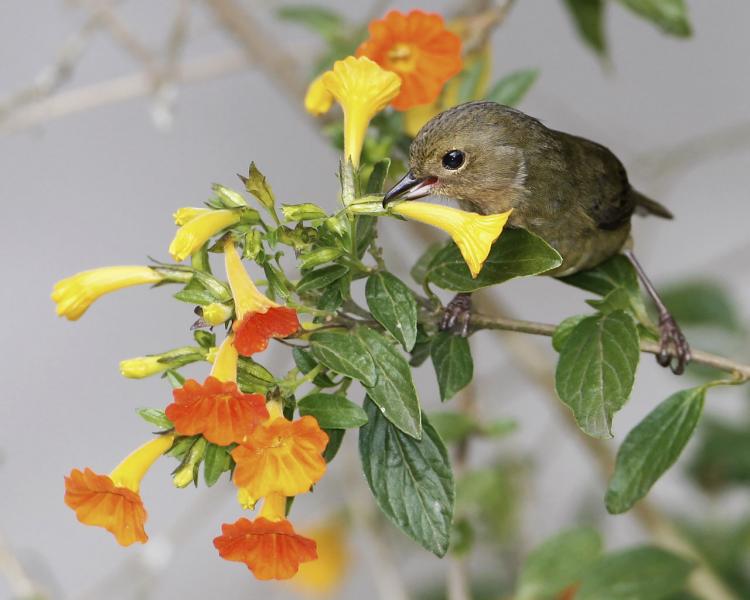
x: 258, y: 317
x: 417, y: 47
x: 113, y: 501
x: 281, y: 457
x: 270, y: 549
x: 216, y: 409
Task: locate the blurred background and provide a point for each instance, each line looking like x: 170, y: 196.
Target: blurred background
x: 113, y: 113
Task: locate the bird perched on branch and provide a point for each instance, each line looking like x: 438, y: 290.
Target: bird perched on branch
x: 571, y: 192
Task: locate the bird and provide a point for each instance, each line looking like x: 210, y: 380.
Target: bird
x: 572, y: 192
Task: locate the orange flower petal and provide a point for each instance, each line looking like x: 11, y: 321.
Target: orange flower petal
x: 417, y: 47
x: 217, y: 410
x: 252, y: 333
x: 281, y: 457
x: 97, y: 501
x: 270, y: 549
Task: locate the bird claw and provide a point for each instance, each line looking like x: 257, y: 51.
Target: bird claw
x: 674, y: 350
x: 457, y: 315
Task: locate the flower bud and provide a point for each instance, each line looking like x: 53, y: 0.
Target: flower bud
x: 302, y: 212
x: 216, y: 313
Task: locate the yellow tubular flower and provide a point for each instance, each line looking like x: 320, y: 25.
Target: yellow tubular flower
x: 216, y: 313
x: 363, y: 89
x: 474, y: 234
x: 188, y: 213
x: 75, y: 294
x: 197, y: 231
x: 247, y: 297
x: 142, y: 366
x: 133, y: 468
x: 318, y: 99
x: 274, y: 507
x: 225, y: 362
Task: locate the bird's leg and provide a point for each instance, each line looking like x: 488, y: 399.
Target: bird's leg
x: 674, y: 350
x: 457, y: 315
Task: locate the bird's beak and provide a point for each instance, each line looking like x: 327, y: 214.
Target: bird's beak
x: 410, y: 188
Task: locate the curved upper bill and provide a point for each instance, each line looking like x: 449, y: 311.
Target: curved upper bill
x: 410, y: 188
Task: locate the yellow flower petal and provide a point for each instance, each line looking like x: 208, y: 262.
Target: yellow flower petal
x: 474, y: 234
x: 216, y: 313
x: 197, y: 231
x: 187, y: 214
x: 318, y: 99
x: 274, y: 507
x: 131, y: 470
x: 247, y: 297
x: 75, y: 294
x: 362, y: 88
x: 142, y: 366
x: 225, y: 361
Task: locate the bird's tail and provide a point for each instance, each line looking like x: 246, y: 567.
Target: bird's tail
x: 647, y: 206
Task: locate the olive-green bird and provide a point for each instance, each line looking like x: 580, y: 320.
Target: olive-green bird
x: 571, y: 192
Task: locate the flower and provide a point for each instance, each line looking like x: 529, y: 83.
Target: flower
x: 75, y: 294
x: 142, y: 366
x: 268, y: 546
x: 216, y: 313
x: 318, y: 99
x: 198, y: 230
x: 217, y: 409
x: 281, y: 457
x: 323, y: 576
x: 188, y: 213
x: 417, y: 47
x: 363, y: 89
x: 474, y: 234
x: 258, y: 317
x: 113, y: 501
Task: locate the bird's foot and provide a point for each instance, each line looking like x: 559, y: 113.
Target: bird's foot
x: 457, y: 315
x: 674, y: 351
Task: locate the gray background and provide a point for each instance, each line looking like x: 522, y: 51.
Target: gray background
x: 98, y: 188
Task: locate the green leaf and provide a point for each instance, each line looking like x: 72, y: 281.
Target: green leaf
x: 644, y: 573
x: 155, y: 417
x: 702, y: 303
x: 411, y: 479
x: 332, y: 411
x: 723, y: 455
x: 670, y: 16
x: 319, y: 256
x: 394, y: 390
x: 216, y: 461
x: 256, y: 184
x: 453, y: 426
x: 614, y: 274
x: 229, y: 198
x: 515, y: 254
x: 419, y: 270
x: 335, y: 437
x: 588, y: 16
x: 304, y: 361
x: 454, y: 367
x: 652, y: 447
x: 378, y: 176
x: 321, y: 278
x: 344, y: 353
x: 194, y: 295
x: 512, y: 88
x: 558, y: 563
x: 252, y: 377
x: 470, y: 80
x: 205, y: 339
x: 393, y: 305
x: 596, y: 370
x: 318, y: 19
x: 421, y: 350
x: 564, y: 329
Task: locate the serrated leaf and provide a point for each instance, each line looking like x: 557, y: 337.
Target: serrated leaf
x: 671, y: 16
x: 335, y: 437
x: 512, y: 88
x: 588, y: 17
x: 216, y: 461
x: 515, y: 254
x: 411, y: 479
x: 332, y: 411
x: 645, y: 573
x: 652, y: 447
x: 596, y: 370
x: 394, y: 390
x: 563, y: 331
x: 558, y: 563
x: 614, y: 274
x: 320, y: 278
x: 155, y: 417
x: 256, y: 184
x: 344, y: 353
x: 393, y: 305
x: 454, y: 367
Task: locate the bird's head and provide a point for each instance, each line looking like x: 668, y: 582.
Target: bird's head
x: 471, y: 153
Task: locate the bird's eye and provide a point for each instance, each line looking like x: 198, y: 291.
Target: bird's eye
x: 453, y: 160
